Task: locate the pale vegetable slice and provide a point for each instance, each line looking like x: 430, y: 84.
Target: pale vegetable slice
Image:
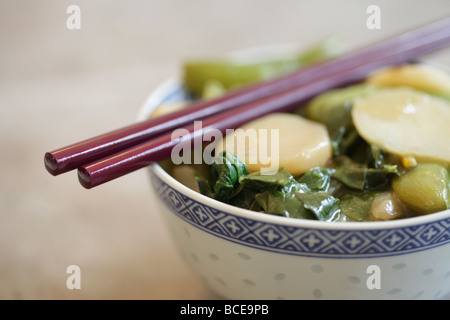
x: 387, y: 206
x: 405, y: 122
x: 280, y: 140
x: 418, y: 76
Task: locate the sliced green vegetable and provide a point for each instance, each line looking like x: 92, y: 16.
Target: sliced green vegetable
x: 425, y: 188
x: 333, y: 108
x: 231, y: 73
x: 333, y: 105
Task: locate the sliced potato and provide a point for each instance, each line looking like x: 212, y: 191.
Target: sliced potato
x: 405, y: 122
x: 281, y: 139
x: 425, y: 188
x: 418, y: 76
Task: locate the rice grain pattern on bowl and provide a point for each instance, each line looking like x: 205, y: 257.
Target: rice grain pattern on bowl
x: 241, y: 254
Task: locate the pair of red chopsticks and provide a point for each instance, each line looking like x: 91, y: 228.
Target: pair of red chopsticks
x: 114, y: 154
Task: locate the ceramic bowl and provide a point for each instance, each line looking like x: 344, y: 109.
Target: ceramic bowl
x: 241, y: 254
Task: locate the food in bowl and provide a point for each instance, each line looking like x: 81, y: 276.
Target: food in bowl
x: 247, y: 254
x: 374, y: 151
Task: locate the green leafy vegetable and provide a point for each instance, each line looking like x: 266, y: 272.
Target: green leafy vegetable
x: 273, y: 194
x: 342, y: 193
x: 282, y: 203
x: 253, y: 184
x: 281, y: 194
x: 317, y: 179
x: 226, y: 170
x: 356, y: 206
x: 281, y: 178
x: 361, y: 177
x: 376, y: 156
x: 324, y: 206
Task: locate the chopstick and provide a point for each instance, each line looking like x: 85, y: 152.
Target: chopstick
x: 133, y: 151
x: 73, y: 156
x: 157, y: 149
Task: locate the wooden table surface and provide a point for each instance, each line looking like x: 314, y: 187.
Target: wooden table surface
x: 58, y: 86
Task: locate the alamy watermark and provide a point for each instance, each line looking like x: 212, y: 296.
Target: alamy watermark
x: 189, y: 149
x: 374, y: 280
x: 73, y: 21
x: 374, y: 19
x: 74, y: 280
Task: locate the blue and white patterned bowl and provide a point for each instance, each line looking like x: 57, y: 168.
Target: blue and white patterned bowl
x: 242, y: 254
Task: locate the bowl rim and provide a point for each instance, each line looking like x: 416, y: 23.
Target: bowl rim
x: 171, y: 87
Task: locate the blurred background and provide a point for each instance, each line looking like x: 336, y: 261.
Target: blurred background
x: 59, y: 86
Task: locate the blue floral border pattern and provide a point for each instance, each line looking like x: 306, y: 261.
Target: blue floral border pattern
x: 284, y: 239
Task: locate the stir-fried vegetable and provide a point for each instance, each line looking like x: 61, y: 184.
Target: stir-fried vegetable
x: 374, y: 151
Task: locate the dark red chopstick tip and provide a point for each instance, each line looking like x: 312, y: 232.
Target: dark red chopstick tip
x: 51, y: 164
x: 84, y: 178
